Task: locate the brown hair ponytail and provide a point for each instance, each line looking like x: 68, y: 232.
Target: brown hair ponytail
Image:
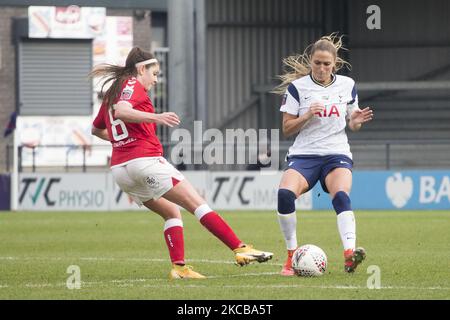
x: 118, y: 74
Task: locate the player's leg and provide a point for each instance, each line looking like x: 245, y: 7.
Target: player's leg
x: 292, y: 185
x: 173, y: 235
x: 339, y: 183
x: 138, y: 180
x: 185, y: 195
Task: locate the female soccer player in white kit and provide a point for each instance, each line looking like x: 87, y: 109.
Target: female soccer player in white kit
x: 317, y: 105
x: 128, y: 120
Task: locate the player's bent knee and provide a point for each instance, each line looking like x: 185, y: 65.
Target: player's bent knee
x: 286, y: 201
x: 341, y: 202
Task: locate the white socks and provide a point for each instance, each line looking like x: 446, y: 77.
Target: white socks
x: 347, y: 229
x: 346, y: 226
x: 288, y: 225
x: 202, y: 210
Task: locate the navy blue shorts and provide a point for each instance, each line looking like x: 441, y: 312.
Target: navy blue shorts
x: 315, y: 168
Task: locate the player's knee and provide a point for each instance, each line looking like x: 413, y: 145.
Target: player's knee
x: 286, y: 201
x: 341, y: 202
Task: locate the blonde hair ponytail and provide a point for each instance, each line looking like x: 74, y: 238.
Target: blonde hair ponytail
x: 299, y: 65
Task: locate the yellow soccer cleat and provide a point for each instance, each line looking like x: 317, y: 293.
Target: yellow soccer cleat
x: 184, y: 272
x: 246, y: 254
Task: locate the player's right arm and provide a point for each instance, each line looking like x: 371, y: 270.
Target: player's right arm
x: 101, y: 133
x: 99, y: 125
x: 124, y: 111
x: 292, y: 124
x: 292, y: 121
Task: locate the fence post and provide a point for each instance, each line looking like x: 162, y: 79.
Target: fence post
x: 67, y: 160
x: 33, y: 150
x: 20, y: 158
x: 262, y: 110
x: 84, y: 158
x: 7, y: 158
x: 388, y: 156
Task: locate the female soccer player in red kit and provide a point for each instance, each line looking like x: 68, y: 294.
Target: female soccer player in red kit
x: 128, y: 120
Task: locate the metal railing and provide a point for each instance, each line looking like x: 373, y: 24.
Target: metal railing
x: 64, y: 158
x: 261, y: 97
x: 373, y: 154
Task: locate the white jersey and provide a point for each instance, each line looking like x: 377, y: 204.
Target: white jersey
x: 323, y: 134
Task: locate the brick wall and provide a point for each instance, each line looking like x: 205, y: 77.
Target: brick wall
x: 7, y: 75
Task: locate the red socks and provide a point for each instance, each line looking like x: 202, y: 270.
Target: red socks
x: 217, y: 226
x: 173, y: 234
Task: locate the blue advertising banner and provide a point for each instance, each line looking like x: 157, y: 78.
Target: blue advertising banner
x: 412, y: 189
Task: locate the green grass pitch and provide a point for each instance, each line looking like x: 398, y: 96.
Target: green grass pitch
x: 122, y: 255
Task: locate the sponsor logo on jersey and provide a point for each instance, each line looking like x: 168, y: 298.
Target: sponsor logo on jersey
x: 333, y: 111
x: 122, y: 143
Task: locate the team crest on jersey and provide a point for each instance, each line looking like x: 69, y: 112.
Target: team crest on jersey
x: 283, y: 102
x: 152, y: 182
x: 126, y: 94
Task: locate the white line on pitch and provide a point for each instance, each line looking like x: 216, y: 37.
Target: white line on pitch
x: 293, y: 286
x: 125, y: 259
x: 129, y: 282
x: 178, y: 284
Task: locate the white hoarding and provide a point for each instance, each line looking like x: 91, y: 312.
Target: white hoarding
x: 66, y: 22
x: 121, y: 201
x: 64, y: 191
x: 60, y: 141
x: 242, y: 190
x: 114, y: 43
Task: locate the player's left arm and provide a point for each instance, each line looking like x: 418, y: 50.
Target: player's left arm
x: 358, y: 117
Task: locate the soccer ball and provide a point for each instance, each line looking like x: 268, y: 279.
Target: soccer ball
x: 309, y: 261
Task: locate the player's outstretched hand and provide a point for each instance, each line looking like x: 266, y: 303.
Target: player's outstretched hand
x: 362, y: 116
x: 168, y: 119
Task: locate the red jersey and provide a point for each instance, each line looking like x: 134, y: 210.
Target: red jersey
x: 130, y: 140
